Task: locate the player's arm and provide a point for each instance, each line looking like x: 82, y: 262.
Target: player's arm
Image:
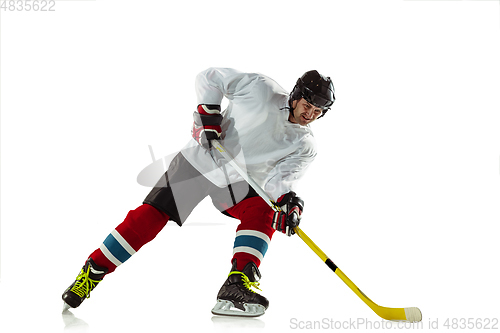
x: 212, y: 85
x: 280, y: 186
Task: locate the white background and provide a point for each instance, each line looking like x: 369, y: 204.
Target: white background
x: 403, y: 197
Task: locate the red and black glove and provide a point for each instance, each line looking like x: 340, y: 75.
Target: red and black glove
x: 290, y: 214
x: 206, y: 124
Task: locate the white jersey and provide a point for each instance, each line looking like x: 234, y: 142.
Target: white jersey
x: 255, y: 130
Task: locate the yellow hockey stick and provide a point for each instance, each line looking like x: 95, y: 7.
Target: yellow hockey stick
x: 411, y: 314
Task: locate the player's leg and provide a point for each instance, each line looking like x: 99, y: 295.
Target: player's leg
x: 140, y: 226
x: 254, y: 233
x: 253, y: 236
x: 173, y: 198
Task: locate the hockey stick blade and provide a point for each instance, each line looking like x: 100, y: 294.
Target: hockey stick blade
x: 411, y: 314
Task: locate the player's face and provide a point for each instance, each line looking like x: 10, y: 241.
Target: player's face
x: 304, y: 113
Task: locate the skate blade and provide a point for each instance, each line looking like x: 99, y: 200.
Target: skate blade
x: 66, y: 307
x: 227, y: 308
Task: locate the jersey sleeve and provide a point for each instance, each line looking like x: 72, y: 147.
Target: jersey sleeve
x: 213, y: 84
x: 284, y: 176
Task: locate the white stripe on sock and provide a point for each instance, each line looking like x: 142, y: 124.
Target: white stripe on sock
x: 249, y: 250
x: 108, y: 255
x: 255, y: 233
x: 123, y: 242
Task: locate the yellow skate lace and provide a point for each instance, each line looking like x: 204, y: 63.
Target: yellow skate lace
x: 85, y: 284
x: 246, y: 282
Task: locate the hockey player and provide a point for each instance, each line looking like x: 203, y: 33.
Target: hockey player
x: 267, y: 130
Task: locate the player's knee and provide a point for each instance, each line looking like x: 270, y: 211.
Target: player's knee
x: 261, y: 208
x: 256, y: 214
x: 148, y: 216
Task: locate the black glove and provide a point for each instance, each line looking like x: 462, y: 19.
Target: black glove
x: 206, y: 124
x: 289, y: 218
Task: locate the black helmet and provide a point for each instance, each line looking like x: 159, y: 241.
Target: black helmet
x: 315, y: 89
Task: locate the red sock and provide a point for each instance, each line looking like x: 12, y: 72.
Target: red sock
x: 254, y: 233
x: 139, y: 227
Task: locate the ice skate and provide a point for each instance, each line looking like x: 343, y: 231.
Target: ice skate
x: 235, y: 298
x: 89, y: 277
